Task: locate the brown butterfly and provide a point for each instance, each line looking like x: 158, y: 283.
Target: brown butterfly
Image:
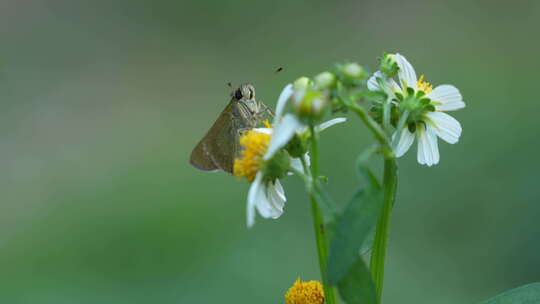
x: 220, y: 146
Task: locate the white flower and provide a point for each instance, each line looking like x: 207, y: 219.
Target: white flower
x: 427, y: 121
x: 266, y: 193
x: 268, y: 197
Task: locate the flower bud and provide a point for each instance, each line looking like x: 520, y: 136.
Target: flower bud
x: 310, y: 104
x: 389, y: 65
x: 353, y: 71
x: 301, y: 83
x: 325, y: 80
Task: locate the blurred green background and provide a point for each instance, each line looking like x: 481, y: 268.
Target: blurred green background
x: 102, y: 102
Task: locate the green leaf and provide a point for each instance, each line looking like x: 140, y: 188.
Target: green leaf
x: 368, y: 242
x: 357, y: 285
x: 527, y: 294
x: 326, y: 203
x: 352, y: 228
x: 356, y: 223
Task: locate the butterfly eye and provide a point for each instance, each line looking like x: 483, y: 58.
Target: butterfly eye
x: 238, y: 94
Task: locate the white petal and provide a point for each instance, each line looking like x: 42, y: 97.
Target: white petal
x: 406, y: 71
x: 296, y: 163
x: 393, y: 87
x: 263, y: 130
x: 428, y: 151
x: 282, y: 133
x: 253, y: 197
x: 448, y: 97
x: 276, y: 194
x: 445, y: 126
x: 372, y: 83
x: 272, y: 201
x: 282, y: 101
x: 405, y: 141
x: 330, y: 123
x: 308, y: 159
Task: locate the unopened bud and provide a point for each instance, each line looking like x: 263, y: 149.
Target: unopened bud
x: 310, y: 103
x: 301, y: 83
x: 389, y: 65
x: 353, y: 71
x: 325, y: 80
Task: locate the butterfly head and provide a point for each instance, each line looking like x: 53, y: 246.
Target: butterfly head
x: 244, y: 93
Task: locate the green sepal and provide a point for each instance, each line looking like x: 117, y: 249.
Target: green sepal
x: 430, y: 108
x: 425, y: 101
x: 412, y: 127
x: 277, y: 167
x: 296, y: 146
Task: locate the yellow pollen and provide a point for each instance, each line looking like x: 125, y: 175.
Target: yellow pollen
x: 267, y: 124
x: 254, y: 146
x: 423, y: 85
x: 305, y: 293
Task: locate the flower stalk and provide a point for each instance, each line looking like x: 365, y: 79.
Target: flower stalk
x: 318, y: 223
x: 381, y: 235
x: 380, y: 242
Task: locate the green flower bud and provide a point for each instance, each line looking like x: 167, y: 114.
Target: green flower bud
x: 325, y: 80
x: 388, y: 65
x: 353, y: 71
x: 301, y: 83
x: 310, y: 104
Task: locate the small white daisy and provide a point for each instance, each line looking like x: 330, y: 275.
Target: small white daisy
x: 265, y: 195
x: 426, y: 107
x: 259, y: 146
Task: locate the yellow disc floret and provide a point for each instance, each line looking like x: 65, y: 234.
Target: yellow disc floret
x: 423, y: 85
x: 254, y: 146
x: 305, y: 293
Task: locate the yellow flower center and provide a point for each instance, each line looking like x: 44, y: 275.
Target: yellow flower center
x: 305, y: 293
x: 254, y: 146
x: 423, y: 85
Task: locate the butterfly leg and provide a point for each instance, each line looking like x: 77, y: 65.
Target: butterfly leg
x: 264, y: 110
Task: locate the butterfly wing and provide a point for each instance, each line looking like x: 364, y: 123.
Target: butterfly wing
x: 219, y: 147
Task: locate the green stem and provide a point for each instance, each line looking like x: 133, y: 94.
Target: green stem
x: 318, y: 223
x: 387, y: 107
x: 389, y: 191
x: 386, y: 116
x: 372, y: 125
x: 314, y: 152
x: 381, y: 236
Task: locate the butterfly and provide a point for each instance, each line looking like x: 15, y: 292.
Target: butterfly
x: 221, y: 144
